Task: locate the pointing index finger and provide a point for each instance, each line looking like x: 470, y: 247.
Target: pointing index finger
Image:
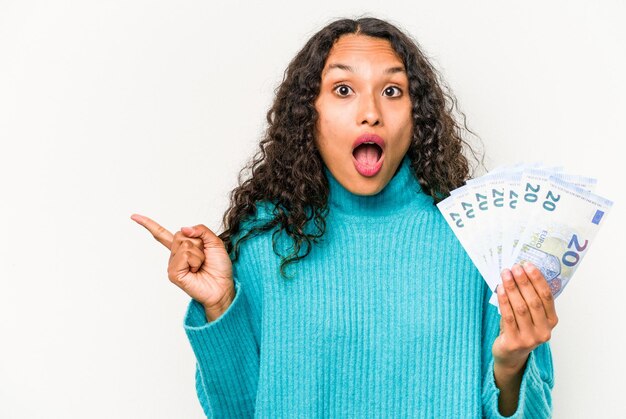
x: 161, y: 234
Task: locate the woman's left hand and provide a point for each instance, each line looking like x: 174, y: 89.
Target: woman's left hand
x: 528, y: 315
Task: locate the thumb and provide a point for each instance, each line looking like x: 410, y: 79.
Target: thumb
x: 209, y: 239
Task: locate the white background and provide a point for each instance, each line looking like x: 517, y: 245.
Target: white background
x: 113, y: 107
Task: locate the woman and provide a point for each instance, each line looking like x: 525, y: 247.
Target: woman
x: 383, y: 313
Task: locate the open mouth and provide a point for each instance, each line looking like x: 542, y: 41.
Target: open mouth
x: 368, y: 159
x: 367, y: 154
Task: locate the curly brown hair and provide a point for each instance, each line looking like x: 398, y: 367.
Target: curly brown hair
x: 288, y: 170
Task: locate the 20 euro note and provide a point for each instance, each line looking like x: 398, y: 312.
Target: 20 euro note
x: 460, y: 219
x: 530, y: 189
x: 560, y: 232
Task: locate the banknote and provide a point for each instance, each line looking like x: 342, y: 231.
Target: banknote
x: 561, y: 231
x: 460, y: 219
x: 526, y: 212
x: 486, y: 198
x: 532, y: 184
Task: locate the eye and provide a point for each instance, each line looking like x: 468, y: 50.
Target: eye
x: 390, y: 90
x: 342, y: 89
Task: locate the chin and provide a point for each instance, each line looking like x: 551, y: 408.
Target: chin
x: 368, y: 187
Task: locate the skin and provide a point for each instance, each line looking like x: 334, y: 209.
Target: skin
x: 528, y: 318
x: 198, y: 264
x: 366, y: 100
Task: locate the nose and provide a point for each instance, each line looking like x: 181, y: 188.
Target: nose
x: 369, y: 110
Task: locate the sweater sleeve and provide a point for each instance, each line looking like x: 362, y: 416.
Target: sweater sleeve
x: 535, y: 397
x: 227, y: 357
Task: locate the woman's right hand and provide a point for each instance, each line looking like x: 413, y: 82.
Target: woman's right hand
x: 198, y: 264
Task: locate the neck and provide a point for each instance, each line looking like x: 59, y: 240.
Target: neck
x: 403, y: 192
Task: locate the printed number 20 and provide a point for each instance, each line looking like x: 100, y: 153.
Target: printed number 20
x: 571, y: 258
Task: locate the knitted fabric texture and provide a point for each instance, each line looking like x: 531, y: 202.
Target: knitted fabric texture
x: 386, y: 317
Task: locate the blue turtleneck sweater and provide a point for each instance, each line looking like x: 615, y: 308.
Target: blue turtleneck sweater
x: 386, y: 317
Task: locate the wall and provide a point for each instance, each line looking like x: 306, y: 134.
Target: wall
x: 110, y: 108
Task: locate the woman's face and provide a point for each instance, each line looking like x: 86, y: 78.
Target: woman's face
x: 364, y: 90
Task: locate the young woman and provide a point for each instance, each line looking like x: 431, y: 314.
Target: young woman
x: 383, y: 313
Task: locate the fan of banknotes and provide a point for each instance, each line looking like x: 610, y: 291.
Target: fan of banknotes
x: 526, y: 212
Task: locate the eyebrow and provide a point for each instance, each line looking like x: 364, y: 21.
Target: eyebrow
x: 390, y: 70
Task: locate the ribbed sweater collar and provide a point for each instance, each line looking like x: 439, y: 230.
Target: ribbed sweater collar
x: 403, y: 192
